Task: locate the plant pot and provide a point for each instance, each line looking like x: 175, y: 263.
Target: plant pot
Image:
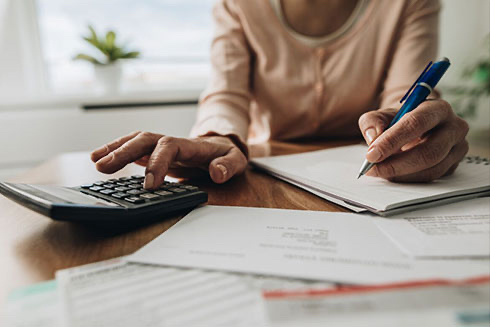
x: 108, y: 77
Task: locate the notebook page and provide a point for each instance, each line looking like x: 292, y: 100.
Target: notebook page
x: 335, y: 171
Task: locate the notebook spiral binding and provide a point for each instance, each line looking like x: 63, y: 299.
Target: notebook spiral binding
x: 477, y: 160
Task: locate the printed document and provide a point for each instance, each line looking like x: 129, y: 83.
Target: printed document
x: 423, y: 305
x: 115, y: 293
x: 461, y: 229
x: 336, y: 247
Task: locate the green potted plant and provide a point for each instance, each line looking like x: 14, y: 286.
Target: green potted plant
x: 107, y: 61
x: 471, y: 99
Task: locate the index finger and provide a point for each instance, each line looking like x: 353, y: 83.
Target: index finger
x: 413, y: 125
x: 101, y: 152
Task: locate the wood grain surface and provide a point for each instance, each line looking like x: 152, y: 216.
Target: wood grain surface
x: 33, y: 247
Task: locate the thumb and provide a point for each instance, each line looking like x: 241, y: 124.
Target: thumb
x: 223, y: 168
x: 373, y: 123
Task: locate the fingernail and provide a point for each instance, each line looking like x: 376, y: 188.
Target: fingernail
x: 373, y: 155
x: 370, y: 135
x: 223, y: 169
x: 106, y: 159
x: 149, y: 180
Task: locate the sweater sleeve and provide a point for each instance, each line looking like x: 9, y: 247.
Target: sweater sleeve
x: 416, y: 45
x: 224, y: 105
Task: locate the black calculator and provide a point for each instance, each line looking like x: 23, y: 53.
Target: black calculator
x: 118, y: 202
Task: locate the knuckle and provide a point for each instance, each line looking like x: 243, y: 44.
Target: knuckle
x: 413, y: 122
x: 463, y: 126
x: 121, y: 155
x: 445, y: 106
x: 145, y: 134
x: 166, y: 141
x: 430, y: 156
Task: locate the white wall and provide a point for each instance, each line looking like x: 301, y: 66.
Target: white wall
x: 31, y: 136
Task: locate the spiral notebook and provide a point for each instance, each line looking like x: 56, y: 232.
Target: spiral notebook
x: 332, y: 174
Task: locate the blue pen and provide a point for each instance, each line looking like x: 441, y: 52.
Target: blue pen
x: 422, y: 87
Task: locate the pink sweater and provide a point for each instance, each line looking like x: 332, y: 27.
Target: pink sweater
x: 266, y: 84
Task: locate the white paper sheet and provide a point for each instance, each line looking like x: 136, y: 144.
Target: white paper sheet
x: 460, y: 229
x: 421, y: 306
x: 115, y: 293
x: 34, y: 306
x: 334, y: 171
x: 336, y: 247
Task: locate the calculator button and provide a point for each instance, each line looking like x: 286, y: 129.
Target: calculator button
x: 136, y: 192
x: 123, y: 183
x: 136, y: 181
x: 119, y: 195
x: 122, y: 189
x: 112, y: 180
x: 149, y: 196
x: 124, y: 179
x: 99, y: 183
x: 134, y: 199
x: 110, y: 185
x: 107, y: 191
x: 135, y: 186
x: 177, y: 190
x: 190, y: 187
x: 87, y: 186
x: 137, y: 177
x: 96, y: 188
x: 164, y: 193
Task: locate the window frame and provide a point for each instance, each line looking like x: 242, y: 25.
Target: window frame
x: 33, y: 72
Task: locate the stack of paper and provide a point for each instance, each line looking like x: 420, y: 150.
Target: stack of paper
x: 332, y: 174
x: 336, y: 247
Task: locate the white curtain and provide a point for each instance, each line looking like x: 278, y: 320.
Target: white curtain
x: 21, y: 66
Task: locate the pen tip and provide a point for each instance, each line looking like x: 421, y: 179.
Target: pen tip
x: 359, y: 176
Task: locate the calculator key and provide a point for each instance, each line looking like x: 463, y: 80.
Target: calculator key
x: 87, y: 186
x: 134, y: 199
x: 122, y: 189
x: 124, y: 179
x: 110, y: 185
x: 96, y: 188
x: 136, y: 192
x: 123, y: 183
x: 135, y: 186
x: 190, y: 187
x: 112, y: 180
x: 119, y: 195
x: 149, y: 196
x: 137, y: 177
x: 99, y: 183
x: 107, y: 191
x: 177, y: 190
x: 164, y: 193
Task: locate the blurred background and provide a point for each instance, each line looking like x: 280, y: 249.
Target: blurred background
x: 159, y: 64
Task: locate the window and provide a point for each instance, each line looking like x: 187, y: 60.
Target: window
x: 173, y: 36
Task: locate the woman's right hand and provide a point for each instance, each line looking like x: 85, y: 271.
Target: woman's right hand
x: 161, y: 154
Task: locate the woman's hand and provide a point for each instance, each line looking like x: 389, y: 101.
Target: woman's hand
x: 160, y: 154
x: 424, y: 145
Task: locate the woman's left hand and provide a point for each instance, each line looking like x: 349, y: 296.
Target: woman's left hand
x: 422, y: 146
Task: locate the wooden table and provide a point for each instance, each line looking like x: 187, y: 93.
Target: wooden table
x: 33, y: 247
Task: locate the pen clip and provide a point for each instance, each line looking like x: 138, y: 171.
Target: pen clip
x: 414, y: 84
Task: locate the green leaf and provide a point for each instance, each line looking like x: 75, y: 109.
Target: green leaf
x: 110, y: 39
x: 130, y: 55
x: 82, y: 56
